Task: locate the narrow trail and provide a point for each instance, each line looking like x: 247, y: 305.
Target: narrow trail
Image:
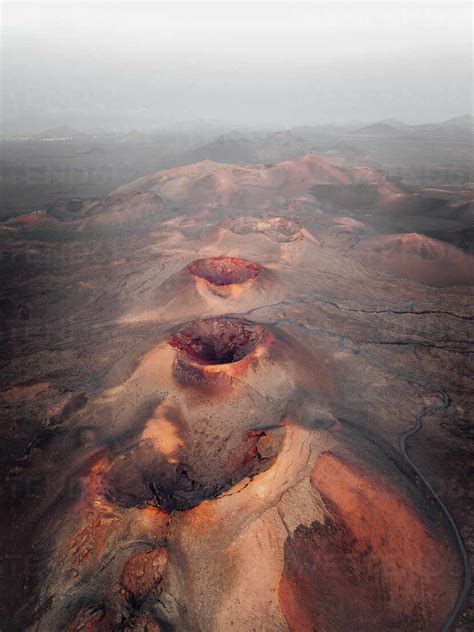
x: 462, y: 550
x: 416, y: 428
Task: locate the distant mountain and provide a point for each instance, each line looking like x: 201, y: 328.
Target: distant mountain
x: 458, y: 123
x: 63, y: 131
x: 378, y: 129
x: 225, y: 148
x: 282, y: 145
x: 394, y: 122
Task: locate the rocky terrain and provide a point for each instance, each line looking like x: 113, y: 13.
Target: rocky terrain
x: 236, y: 397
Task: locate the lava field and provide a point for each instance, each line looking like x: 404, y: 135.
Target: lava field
x: 232, y: 403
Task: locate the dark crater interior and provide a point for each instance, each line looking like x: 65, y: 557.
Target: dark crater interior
x: 218, y: 340
x: 224, y: 270
x: 142, y: 477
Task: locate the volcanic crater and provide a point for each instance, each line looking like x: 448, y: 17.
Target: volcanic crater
x: 277, y: 229
x: 142, y: 478
x: 215, y: 341
x: 224, y: 270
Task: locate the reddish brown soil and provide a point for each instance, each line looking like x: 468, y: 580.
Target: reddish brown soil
x: 373, y: 565
x: 145, y: 623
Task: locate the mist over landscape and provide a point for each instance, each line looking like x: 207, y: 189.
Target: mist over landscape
x: 237, y: 245
x: 121, y: 66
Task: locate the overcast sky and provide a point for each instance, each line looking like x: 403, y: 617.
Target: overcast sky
x: 131, y: 65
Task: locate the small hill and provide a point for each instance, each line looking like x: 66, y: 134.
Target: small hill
x: 239, y: 186
x: 419, y: 258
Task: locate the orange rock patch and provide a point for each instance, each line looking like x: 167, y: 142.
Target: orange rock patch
x: 143, y: 573
x: 91, y: 619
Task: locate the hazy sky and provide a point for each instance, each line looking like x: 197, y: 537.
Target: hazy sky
x: 124, y: 65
